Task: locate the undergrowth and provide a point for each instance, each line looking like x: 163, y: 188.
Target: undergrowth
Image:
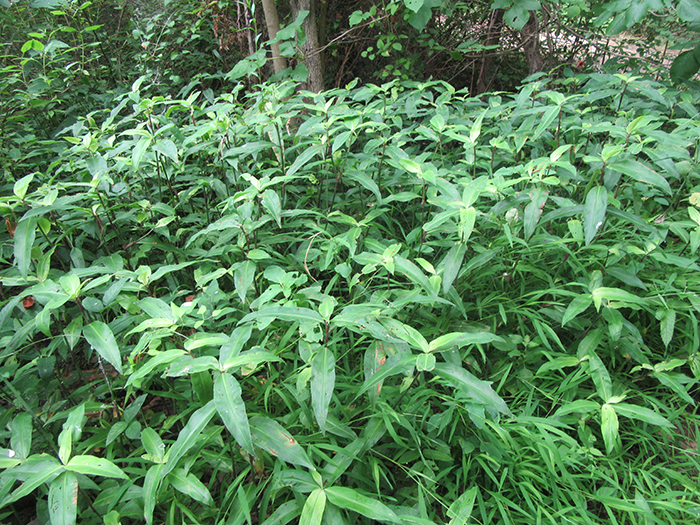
x: 384, y: 303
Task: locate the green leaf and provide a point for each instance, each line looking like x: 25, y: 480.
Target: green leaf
x: 401, y: 363
x: 594, y: 212
x: 151, y: 483
x: 63, y: 499
x: 467, y: 219
x: 188, y: 435
x: 271, y: 436
x: 461, y: 510
x: 600, y: 377
x: 414, y: 5
x: 22, y: 185
x: 558, y: 363
x: 533, y: 211
x: 668, y: 324
x: 115, y: 431
x: 642, y: 414
x: 161, y: 359
x: 283, y: 514
x: 609, y: 428
x: 576, y: 306
x: 271, y: 202
x: 155, y: 448
x: 407, y: 333
x: 684, y: 67
x: 302, y: 159
x: 284, y: 313
x: 250, y: 358
x: 139, y: 151
x: 585, y: 406
x: 312, y: 513
x: 688, y: 11
x: 547, y: 117
x: 473, y: 387
x: 93, y: 466
x: 100, y: 337
x: 615, y: 294
x: 673, y: 381
x: 166, y: 147
x: 188, y: 484
x: 460, y: 339
x: 425, y: 362
x: 322, y: 384
x: 641, y: 173
x: 453, y: 264
x: 21, y: 437
x: 366, y: 183
x: 243, y: 278
x: 350, y: 499
x: 25, y: 233
x: 50, y: 469
x: 231, y: 409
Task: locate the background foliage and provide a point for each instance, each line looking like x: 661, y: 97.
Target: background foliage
x: 392, y: 302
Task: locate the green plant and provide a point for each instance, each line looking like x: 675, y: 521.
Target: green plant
x: 392, y: 303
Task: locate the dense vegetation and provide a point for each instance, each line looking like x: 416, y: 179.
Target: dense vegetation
x: 392, y: 302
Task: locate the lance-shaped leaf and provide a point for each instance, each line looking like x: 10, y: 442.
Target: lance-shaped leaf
x: 609, y: 428
x: 533, y: 211
x: 283, y: 514
x: 642, y: 414
x: 594, y: 212
x: 188, y: 435
x: 284, y: 313
x: 271, y: 436
x: 25, y: 233
x: 401, y: 363
x: 312, y: 513
x: 63, y: 499
x: 461, y: 509
x: 271, y: 202
x: 188, y: 484
x: 101, y: 338
x: 472, y: 386
x: 350, y: 499
x: 43, y: 469
x: 322, y: 383
x: 453, y: 264
x: 151, y: 483
x: 243, y: 278
x: 231, y: 409
x: 641, y: 173
x: 576, y: 306
x: 93, y: 466
x: 460, y: 339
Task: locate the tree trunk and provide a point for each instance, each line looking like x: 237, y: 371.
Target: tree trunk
x: 493, y: 37
x: 531, y: 44
x: 273, y: 25
x: 311, y: 50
